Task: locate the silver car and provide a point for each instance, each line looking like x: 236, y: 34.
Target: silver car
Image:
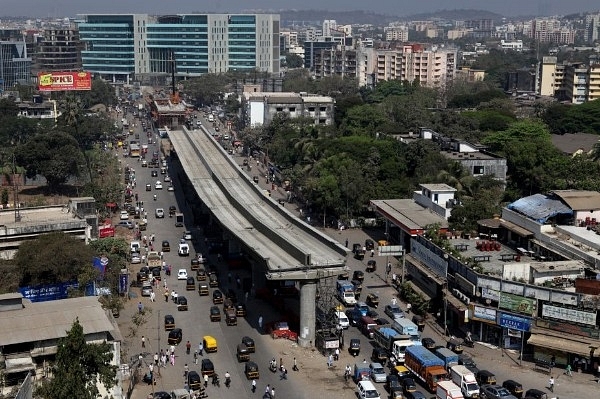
x: 495, y: 392
x: 146, y: 289
x: 377, y: 372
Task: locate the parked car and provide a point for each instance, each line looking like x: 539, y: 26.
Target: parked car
x: 124, y: 215
x: 495, y: 392
x: 125, y: 223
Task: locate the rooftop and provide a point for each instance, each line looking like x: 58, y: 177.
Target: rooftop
x: 410, y: 214
x: 475, y: 155
x: 579, y: 200
x: 571, y: 143
x: 539, y: 207
x: 438, y: 187
x: 557, y: 266
x: 35, y: 216
x: 50, y: 320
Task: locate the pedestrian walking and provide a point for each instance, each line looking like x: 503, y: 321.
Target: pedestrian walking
x: 156, y: 358
x: 186, y: 370
x: 330, y: 361
x: 195, y: 357
x: 152, y: 296
x: 200, y: 348
x: 295, y: 368
x: 253, y: 386
x: 283, y: 375
x: 260, y: 322
x: 143, y: 341
x: 268, y: 389
x: 173, y: 295
x: 372, y: 253
x: 188, y: 347
x: 551, y: 384
x: 172, y: 360
x: 408, y: 307
x: 346, y: 243
x: 140, y: 307
x: 166, y: 295
x: 568, y: 370
x: 394, y: 300
x: 172, y: 349
x: 273, y: 393
x: 205, y: 380
x: 337, y: 354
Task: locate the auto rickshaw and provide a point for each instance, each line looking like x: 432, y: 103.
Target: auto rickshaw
x: 354, y: 347
x: 202, y: 289
x: 251, y: 371
x: 373, y: 300
x: 142, y: 225
x: 242, y: 353
x: 195, y: 264
x: 190, y: 284
x: 172, y: 211
x: 215, y: 313
x: 249, y: 342
x: 230, y: 317
x: 169, y: 322
x: 200, y: 274
x: 166, y: 247
x: 217, y: 297
x: 371, y: 266
x: 419, y: 321
x: 240, y: 310
x: 358, y: 275
x: 210, y: 344
x: 175, y: 336
x: 213, y: 281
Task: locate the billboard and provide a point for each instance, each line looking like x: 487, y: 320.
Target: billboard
x: 517, y: 303
x: 515, y: 322
x: 63, y: 81
x: 569, y: 315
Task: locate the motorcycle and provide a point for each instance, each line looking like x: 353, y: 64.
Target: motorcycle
x: 273, y: 366
x: 215, y: 380
x: 227, y: 382
x: 468, y: 343
x: 154, y: 197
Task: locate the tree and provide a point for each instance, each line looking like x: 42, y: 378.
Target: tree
x: 294, y: 61
x: 78, y: 368
x: 53, y: 258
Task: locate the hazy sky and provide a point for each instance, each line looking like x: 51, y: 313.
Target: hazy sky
x: 61, y: 8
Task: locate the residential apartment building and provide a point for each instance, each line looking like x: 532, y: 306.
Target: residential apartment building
x: 592, y: 28
x: 515, y: 45
x: 15, y: 63
x: 142, y: 47
x: 396, y: 33
x: 573, y: 82
x: 58, y: 49
x: 550, y: 77
x: 432, y: 67
x: 260, y: 108
x: 329, y: 27
x: 549, y: 30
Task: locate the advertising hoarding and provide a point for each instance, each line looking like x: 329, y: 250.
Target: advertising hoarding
x: 483, y: 313
x: 514, y: 322
x: 435, y: 262
x: 571, y: 315
x: 64, y: 81
x: 516, y: 303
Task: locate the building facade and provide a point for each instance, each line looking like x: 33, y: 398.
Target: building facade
x: 59, y: 49
x: 15, y: 63
x: 260, y: 108
x: 142, y: 47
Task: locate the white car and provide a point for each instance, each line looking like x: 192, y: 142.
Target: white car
x: 182, y: 274
x: 159, y: 213
x: 171, y: 188
x: 158, y: 185
x: 167, y: 178
x: 124, y: 215
x: 136, y: 258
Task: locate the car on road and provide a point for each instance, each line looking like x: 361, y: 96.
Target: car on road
x: 124, y: 215
x: 377, y: 372
x: 187, y: 235
x: 158, y: 185
x: 366, y: 390
x: 136, y: 258
x: 408, y: 385
x: 159, y: 213
x: 495, y: 392
x: 354, y: 316
x: 144, y: 164
x: 393, y: 311
x: 170, y: 188
x: 415, y: 395
x: 167, y: 178
x: 146, y: 288
x: 125, y: 223
x: 182, y: 274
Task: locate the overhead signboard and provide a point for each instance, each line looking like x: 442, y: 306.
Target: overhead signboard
x: 390, y: 250
x: 517, y: 303
x: 514, y: 322
x: 64, y: 81
x: 483, y: 313
x: 571, y: 315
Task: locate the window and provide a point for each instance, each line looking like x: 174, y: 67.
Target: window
x: 478, y: 170
x: 279, y: 109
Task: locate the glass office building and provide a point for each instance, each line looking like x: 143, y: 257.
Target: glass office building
x: 139, y: 47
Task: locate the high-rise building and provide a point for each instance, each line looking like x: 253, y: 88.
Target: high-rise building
x: 58, y: 49
x: 329, y: 27
x: 15, y: 64
x: 138, y: 46
x: 592, y: 28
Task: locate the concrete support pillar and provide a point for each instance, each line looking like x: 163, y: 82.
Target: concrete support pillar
x: 308, y: 298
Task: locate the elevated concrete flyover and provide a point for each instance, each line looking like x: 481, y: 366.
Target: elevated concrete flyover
x: 290, y: 248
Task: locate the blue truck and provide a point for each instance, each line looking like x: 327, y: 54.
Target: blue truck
x: 450, y: 358
x: 425, y: 366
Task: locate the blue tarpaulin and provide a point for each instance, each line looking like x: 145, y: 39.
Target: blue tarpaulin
x: 540, y: 207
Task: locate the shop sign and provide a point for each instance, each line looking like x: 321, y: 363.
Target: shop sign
x: 516, y: 303
x: 433, y: 261
x: 572, y: 315
x: 483, y: 313
x: 568, y: 328
x: 490, y: 294
x: 514, y: 322
x: 123, y: 283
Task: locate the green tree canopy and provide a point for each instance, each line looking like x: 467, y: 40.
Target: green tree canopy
x: 78, y: 368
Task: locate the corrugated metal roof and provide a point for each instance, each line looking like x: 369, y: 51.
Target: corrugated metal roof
x: 579, y: 200
x: 410, y: 214
x: 540, y: 207
x: 42, y: 321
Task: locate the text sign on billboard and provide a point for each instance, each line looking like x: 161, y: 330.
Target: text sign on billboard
x: 572, y: 315
x: 123, y: 283
x: 483, y: 313
x: 435, y: 262
x: 514, y: 322
x: 517, y: 303
x: 61, y: 81
x: 390, y: 250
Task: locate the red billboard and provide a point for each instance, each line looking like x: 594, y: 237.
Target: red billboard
x: 63, y: 81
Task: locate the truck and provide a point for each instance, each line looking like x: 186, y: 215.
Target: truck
x: 450, y: 358
x: 179, y: 219
x: 448, y: 390
x: 153, y: 260
x: 425, y: 366
x: 345, y: 291
x: 407, y: 327
x: 393, y: 341
x: 465, y: 379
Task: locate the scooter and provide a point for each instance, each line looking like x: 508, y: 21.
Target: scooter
x: 155, y: 197
x: 273, y: 366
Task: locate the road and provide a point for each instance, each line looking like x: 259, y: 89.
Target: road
x: 314, y: 378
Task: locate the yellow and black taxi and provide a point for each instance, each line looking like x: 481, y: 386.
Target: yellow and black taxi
x: 190, y: 284
x: 210, y: 344
x: 166, y: 247
x: 182, y: 303
x: 251, y: 371
x: 207, y: 367
x: 195, y: 264
x: 230, y: 317
x: 227, y: 304
x: 203, y: 289
x: 169, y: 322
x: 217, y: 297
x: 194, y: 380
x: 200, y: 274
x: 240, y: 310
x: 215, y: 313
x: 175, y: 336
x: 213, y: 280
x: 242, y: 353
x: 249, y: 343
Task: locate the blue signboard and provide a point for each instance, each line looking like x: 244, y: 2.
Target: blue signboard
x: 514, y: 322
x: 48, y: 292
x: 123, y: 280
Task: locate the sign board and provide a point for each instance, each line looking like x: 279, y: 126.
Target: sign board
x: 514, y: 322
x: 390, y: 250
x: 64, y: 81
x: 123, y: 283
x: 433, y: 261
x: 490, y: 294
x: 570, y: 315
x: 49, y: 292
x: 517, y: 303
x: 104, y: 232
x: 483, y: 313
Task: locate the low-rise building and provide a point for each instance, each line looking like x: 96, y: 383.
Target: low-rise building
x: 260, y: 108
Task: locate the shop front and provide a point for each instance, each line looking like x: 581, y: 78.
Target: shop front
x: 514, y: 328
x: 483, y: 324
x: 565, y: 350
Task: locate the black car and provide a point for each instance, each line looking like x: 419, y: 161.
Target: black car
x: 354, y: 347
x: 207, y: 367
x: 467, y: 361
x: 249, y: 342
x: 194, y: 380
x: 175, y: 336
x: 514, y: 387
x: 408, y: 385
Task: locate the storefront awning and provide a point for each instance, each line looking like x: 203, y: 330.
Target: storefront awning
x: 560, y: 344
x: 516, y: 229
